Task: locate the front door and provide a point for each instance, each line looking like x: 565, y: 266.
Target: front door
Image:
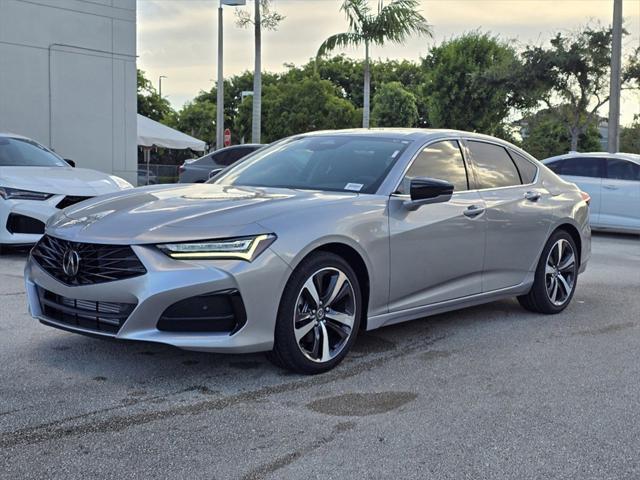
x: 620, y: 200
x: 437, y: 250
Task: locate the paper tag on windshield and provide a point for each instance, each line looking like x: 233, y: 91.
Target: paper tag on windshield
x: 354, y: 187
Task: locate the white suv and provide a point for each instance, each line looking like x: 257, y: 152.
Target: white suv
x: 612, y: 180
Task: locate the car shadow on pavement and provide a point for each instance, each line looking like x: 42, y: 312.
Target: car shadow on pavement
x: 132, y: 363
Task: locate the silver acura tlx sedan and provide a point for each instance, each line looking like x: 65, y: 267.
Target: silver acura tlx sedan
x: 295, y: 249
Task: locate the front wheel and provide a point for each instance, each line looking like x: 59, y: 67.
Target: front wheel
x: 556, y: 276
x: 319, y: 315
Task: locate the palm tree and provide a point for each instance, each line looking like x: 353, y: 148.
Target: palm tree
x: 263, y: 17
x: 394, y: 22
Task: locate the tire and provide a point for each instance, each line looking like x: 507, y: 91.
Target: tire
x: 555, y: 279
x: 319, y: 315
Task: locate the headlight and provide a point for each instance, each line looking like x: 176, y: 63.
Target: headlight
x: 15, y: 194
x: 244, y: 248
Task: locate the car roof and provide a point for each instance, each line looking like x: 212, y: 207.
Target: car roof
x: 13, y: 135
x: 633, y: 157
x: 400, y: 133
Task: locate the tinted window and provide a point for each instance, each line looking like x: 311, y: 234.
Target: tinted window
x: 224, y: 159
x: 20, y: 152
x: 579, y: 167
x: 619, y: 169
x: 356, y: 163
x: 494, y: 165
x: 441, y: 160
x: 527, y: 169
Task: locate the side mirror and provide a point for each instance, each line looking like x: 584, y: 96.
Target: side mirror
x: 214, y: 172
x: 70, y: 162
x: 424, y: 191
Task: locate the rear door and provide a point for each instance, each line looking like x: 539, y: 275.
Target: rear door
x: 620, y: 202
x: 437, y: 249
x: 586, y: 173
x: 519, y: 213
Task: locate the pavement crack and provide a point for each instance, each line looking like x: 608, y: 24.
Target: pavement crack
x: 287, y: 459
x: 55, y: 430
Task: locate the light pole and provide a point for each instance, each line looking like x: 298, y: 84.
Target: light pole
x: 160, y: 85
x: 220, y: 82
x: 614, y: 93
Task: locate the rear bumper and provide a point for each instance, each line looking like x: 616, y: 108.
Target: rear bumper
x: 167, y: 282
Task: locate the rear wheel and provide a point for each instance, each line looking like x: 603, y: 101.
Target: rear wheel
x: 319, y: 315
x: 556, y: 276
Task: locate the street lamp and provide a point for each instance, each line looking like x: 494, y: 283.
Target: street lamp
x: 220, y: 83
x: 160, y: 85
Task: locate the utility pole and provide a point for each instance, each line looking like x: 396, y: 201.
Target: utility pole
x: 220, y: 81
x: 257, y: 77
x: 160, y: 85
x: 220, y: 86
x: 614, y: 94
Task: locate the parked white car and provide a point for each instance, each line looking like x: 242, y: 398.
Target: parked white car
x: 612, y: 180
x: 36, y: 183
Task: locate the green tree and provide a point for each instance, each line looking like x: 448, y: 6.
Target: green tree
x: 395, y: 22
x: 196, y: 118
x: 297, y: 107
x: 472, y: 84
x: 630, y: 137
x: 546, y: 134
x: 394, y: 106
x: 149, y: 102
x: 574, y: 71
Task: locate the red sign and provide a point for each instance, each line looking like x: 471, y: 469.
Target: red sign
x: 227, y: 137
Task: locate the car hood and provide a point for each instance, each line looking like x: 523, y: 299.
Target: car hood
x: 170, y: 213
x: 60, y: 180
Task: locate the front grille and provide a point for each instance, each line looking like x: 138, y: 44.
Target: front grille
x: 97, y: 263
x: 17, y: 223
x: 97, y: 316
x: 70, y: 200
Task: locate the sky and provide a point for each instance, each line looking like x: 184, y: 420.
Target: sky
x: 177, y: 38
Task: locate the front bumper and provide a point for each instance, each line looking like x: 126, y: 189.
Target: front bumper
x: 167, y: 281
x: 40, y: 210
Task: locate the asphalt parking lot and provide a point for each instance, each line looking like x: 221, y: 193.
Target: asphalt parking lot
x: 487, y: 392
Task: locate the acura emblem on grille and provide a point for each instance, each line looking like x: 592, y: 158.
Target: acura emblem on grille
x: 71, y: 263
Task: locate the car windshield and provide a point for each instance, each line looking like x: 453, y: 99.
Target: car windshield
x: 20, y: 152
x: 356, y: 163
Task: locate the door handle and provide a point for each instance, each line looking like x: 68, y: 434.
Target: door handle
x: 532, y: 196
x: 473, y: 211
x: 610, y: 187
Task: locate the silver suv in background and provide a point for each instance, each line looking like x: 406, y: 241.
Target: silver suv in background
x: 198, y: 170
x: 613, y: 182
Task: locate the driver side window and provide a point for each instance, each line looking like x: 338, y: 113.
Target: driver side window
x: 440, y: 160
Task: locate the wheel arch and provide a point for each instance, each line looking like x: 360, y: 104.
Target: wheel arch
x: 359, y: 265
x: 575, y: 235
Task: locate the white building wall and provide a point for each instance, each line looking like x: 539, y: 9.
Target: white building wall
x: 68, y: 79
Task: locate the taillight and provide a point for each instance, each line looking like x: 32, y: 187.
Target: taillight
x: 586, y: 197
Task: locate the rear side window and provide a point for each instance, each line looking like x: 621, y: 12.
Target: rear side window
x: 494, y: 165
x: 527, y: 169
x: 579, y: 167
x: 441, y: 160
x: 618, y: 169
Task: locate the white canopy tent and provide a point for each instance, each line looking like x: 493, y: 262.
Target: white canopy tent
x: 153, y: 134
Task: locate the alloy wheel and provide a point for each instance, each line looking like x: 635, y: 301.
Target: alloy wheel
x: 560, y: 272
x: 324, y: 314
